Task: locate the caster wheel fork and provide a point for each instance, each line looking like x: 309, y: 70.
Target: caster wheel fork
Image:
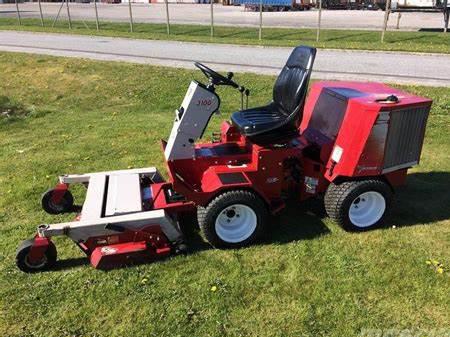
x: 36, y: 255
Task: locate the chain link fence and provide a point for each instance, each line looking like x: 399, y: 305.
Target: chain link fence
x: 261, y: 6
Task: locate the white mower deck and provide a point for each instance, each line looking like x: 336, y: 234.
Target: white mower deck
x: 112, y: 198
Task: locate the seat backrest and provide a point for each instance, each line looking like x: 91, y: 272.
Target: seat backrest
x: 290, y: 88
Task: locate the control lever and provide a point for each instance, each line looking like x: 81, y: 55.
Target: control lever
x: 242, y: 91
x: 230, y: 75
x: 247, y: 93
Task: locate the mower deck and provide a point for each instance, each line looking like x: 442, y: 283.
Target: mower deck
x: 118, y: 206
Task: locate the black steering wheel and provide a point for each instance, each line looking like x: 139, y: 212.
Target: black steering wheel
x: 215, y: 78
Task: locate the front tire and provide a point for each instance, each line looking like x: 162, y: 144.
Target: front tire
x: 63, y: 206
x: 358, y: 205
x: 25, y: 265
x: 233, y: 219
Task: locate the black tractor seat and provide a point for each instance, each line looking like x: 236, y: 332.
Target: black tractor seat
x: 279, y: 120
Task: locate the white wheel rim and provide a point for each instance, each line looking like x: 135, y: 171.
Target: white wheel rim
x: 236, y: 223
x: 367, y: 209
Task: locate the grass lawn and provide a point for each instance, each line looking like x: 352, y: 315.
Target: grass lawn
x: 309, y: 277
x: 345, y: 39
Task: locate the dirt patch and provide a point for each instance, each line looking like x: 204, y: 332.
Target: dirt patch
x: 10, y: 110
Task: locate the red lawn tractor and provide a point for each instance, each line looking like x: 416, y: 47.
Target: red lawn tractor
x: 350, y: 142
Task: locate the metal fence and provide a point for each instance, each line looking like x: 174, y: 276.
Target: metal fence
x: 257, y: 5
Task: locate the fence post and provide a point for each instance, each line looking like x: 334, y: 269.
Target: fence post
x: 18, y: 13
x: 131, y: 15
x: 212, y: 18
x: 167, y: 17
x: 319, y: 21
x: 397, y: 26
x: 386, y: 18
x: 96, y: 15
x: 68, y: 14
x: 40, y: 13
x: 57, y: 15
x: 260, y: 19
x: 446, y: 15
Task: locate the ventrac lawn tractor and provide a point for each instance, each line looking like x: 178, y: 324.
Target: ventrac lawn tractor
x: 350, y: 142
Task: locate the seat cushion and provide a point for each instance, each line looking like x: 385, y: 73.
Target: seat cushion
x: 280, y: 119
x: 258, y: 120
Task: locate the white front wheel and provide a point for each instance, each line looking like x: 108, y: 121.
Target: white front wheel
x: 236, y: 223
x: 367, y: 209
x: 233, y: 219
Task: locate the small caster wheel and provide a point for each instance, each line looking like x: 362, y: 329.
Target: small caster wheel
x: 181, y: 249
x: 63, y: 206
x: 25, y: 265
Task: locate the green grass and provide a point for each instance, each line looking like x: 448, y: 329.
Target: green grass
x: 309, y: 278
x: 343, y: 39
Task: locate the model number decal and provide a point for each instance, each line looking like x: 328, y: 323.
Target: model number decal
x: 204, y: 102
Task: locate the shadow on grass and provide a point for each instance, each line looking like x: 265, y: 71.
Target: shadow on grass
x: 433, y: 30
x: 298, y: 222
x: 414, y: 38
x: 295, y: 222
x: 292, y: 36
x: 351, y: 35
x: 424, y: 200
x: 244, y: 34
x: 70, y: 263
x: 201, y: 31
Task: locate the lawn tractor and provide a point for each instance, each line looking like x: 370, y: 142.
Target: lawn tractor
x: 348, y: 142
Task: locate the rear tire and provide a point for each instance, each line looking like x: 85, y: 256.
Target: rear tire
x: 23, y: 263
x: 63, y: 206
x: 233, y: 219
x: 358, y: 205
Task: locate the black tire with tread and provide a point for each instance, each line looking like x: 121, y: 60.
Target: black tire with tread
x: 66, y: 204
x: 207, y: 216
x: 339, y: 197
x: 22, y: 253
